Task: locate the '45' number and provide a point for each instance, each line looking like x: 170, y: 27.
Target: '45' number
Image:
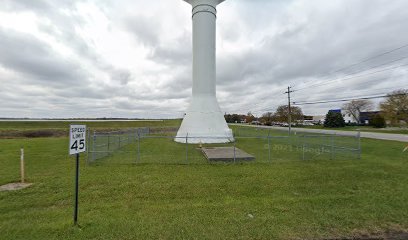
x: 75, y: 145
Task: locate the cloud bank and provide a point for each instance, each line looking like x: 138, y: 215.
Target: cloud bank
x: 88, y: 58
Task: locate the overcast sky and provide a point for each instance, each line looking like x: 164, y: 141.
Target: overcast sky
x: 132, y: 58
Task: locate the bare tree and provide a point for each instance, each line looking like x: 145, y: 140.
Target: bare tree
x: 267, y: 118
x: 355, y: 107
x: 249, y: 117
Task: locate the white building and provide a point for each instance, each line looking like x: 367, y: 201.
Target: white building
x: 348, y: 118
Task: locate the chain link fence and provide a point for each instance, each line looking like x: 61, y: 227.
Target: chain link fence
x: 157, y: 145
x: 105, y: 143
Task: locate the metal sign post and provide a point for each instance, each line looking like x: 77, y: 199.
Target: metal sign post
x: 77, y: 144
x: 76, y: 189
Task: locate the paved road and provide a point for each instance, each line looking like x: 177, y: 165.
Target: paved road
x: 374, y: 135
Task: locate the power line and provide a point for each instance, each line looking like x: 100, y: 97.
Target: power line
x: 265, y: 109
x: 258, y: 110
x: 349, y: 99
x: 369, y: 90
x: 249, y: 106
x: 371, y: 58
x: 366, y: 60
x: 344, y: 79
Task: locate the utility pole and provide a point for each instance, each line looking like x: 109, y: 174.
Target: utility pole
x: 289, y: 110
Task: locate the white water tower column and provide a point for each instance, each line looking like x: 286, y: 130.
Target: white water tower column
x: 204, y: 122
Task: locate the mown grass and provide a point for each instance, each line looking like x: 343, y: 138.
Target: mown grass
x: 362, y: 129
x: 33, y: 125
x: 277, y: 200
x: 22, y: 129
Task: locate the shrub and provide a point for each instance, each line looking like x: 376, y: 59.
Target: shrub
x: 378, y: 121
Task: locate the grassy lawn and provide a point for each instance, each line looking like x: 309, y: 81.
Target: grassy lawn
x: 261, y: 200
x: 362, y: 129
x: 21, y: 129
x: 64, y: 125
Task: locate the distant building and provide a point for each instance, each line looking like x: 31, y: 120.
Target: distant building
x: 307, y: 118
x: 365, y: 117
x: 319, y: 119
x: 348, y: 118
x: 335, y: 110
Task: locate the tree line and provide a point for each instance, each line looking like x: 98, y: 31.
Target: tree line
x: 393, y: 111
x: 280, y: 115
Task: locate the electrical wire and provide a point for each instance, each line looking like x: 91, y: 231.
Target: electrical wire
x: 371, y: 58
x: 349, y: 99
x: 345, y: 79
x: 368, y: 90
x: 363, y: 61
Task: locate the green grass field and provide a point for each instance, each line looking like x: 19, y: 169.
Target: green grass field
x: 64, y: 125
x: 296, y: 199
x: 362, y: 129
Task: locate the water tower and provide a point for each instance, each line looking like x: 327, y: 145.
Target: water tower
x: 204, y: 121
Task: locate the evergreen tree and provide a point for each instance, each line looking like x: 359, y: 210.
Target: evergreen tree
x: 334, y: 119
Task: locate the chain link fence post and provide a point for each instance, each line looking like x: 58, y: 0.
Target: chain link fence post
x: 88, y: 131
x: 303, y: 147
x: 269, y: 146
x: 119, y: 141
x: 108, y: 144
x: 234, y: 153
x: 93, y: 146
x: 359, y: 144
x: 138, y: 145
x: 187, y: 148
x: 332, y: 146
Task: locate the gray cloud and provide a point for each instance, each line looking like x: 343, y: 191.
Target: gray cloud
x: 145, y: 30
x: 264, y: 47
x: 22, y: 5
x: 33, y: 59
x: 121, y: 75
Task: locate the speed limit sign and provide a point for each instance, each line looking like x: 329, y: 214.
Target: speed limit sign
x: 77, y: 144
x: 77, y: 139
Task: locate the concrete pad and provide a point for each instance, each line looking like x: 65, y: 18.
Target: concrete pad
x: 14, y: 186
x: 226, y: 154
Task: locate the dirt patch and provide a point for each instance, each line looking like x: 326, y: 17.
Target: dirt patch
x: 387, y: 235
x: 14, y: 186
x: 33, y: 133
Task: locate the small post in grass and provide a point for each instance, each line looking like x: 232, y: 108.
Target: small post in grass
x: 77, y: 144
x: 22, y: 164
